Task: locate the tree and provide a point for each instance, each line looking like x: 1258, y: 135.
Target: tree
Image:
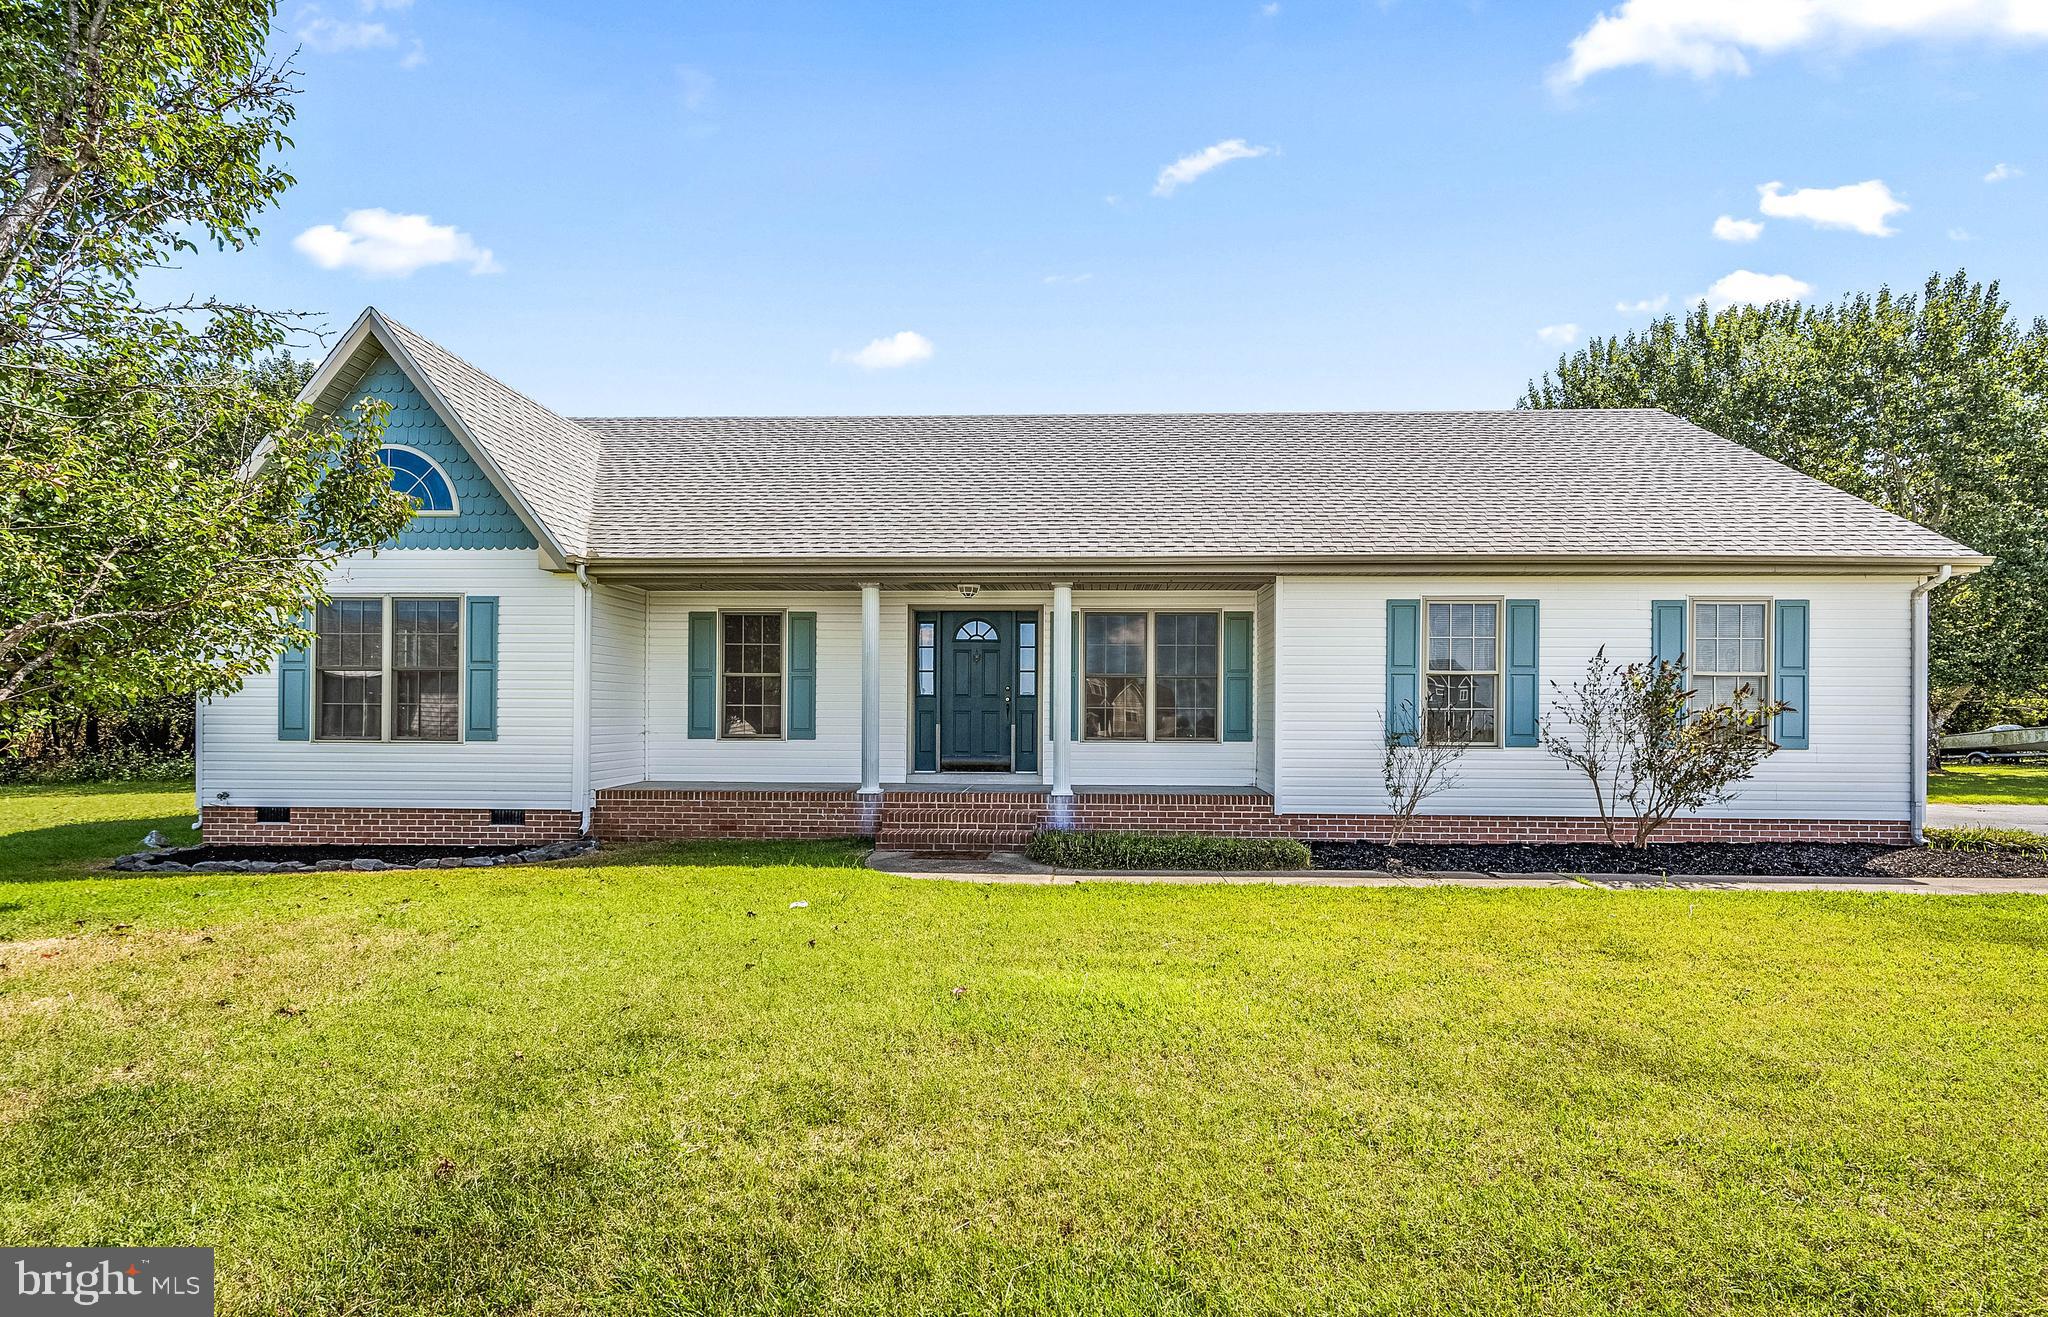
x: 166, y: 510
x: 1933, y: 406
x: 1643, y: 748
x: 1415, y: 767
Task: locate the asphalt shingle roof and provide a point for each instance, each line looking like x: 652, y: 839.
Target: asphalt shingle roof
x: 1544, y: 484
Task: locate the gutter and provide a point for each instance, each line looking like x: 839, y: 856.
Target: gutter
x: 579, y: 770
x: 1916, y: 777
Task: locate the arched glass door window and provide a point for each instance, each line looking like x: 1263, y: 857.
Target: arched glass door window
x: 975, y: 629
x: 415, y: 475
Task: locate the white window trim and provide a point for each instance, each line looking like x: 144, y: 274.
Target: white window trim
x: 782, y: 677
x: 1151, y: 616
x: 454, y: 496
x: 1498, y: 672
x: 386, y: 686
x: 1692, y: 667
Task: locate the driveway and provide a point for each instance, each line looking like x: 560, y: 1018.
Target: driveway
x: 2028, y: 818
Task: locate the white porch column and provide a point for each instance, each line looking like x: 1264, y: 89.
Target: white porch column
x: 1062, y: 669
x: 870, y: 688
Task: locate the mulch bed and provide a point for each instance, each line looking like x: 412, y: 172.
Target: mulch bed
x: 1686, y: 859
x: 315, y: 854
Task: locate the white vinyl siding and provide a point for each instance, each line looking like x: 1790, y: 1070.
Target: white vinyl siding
x: 529, y: 766
x: 1331, y: 638
x: 831, y: 759
x: 618, y: 685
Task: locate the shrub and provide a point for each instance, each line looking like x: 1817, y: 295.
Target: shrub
x: 124, y: 763
x: 2008, y: 841
x: 1165, y: 850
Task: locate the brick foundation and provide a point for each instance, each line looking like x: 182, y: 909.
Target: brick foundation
x: 654, y: 814
x: 320, y: 825
x: 970, y: 822
x: 1252, y: 816
x: 962, y: 822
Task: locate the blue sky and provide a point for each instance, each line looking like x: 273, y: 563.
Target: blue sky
x: 719, y: 207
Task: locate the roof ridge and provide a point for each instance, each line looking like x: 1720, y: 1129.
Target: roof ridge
x: 1126, y: 416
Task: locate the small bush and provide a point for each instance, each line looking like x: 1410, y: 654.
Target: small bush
x: 2008, y: 841
x: 1165, y: 850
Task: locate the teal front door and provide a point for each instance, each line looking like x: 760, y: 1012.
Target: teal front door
x: 974, y: 711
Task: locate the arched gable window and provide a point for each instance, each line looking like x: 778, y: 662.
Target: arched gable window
x: 416, y: 476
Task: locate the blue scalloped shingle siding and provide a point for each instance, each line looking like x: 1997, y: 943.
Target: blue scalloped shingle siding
x: 486, y: 520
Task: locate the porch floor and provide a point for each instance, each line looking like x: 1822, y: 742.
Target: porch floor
x: 957, y: 784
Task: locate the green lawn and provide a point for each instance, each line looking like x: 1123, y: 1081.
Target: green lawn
x: 1989, y: 784
x: 649, y: 1085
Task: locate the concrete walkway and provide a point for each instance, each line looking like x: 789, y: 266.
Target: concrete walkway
x: 1015, y: 869
x: 2027, y: 818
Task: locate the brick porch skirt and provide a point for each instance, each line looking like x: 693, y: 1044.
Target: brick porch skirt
x: 768, y: 814
x: 236, y: 825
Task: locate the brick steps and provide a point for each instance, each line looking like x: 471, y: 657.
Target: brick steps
x: 958, y: 823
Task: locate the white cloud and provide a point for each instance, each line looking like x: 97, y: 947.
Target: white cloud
x: 1961, y: 235
x: 332, y: 36
x: 1747, y: 286
x: 1647, y: 306
x: 1559, y: 335
x: 372, y: 6
x: 2002, y: 171
x: 1068, y: 278
x: 1730, y: 229
x: 1862, y: 207
x: 904, y: 349
x: 384, y: 245
x: 415, y: 57
x: 1191, y: 167
x: 1709, y: 37
x: 1269, y: 10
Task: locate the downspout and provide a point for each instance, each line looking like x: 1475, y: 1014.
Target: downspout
x: 579, y: 775
x: 1916, y: 778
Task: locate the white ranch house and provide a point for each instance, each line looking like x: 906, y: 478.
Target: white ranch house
x: 950, y: 630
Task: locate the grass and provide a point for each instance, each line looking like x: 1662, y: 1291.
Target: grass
x: 1989, y: 784
x: 648, y: 1084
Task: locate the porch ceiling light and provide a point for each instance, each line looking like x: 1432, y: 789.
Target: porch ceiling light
x: 969, y: 591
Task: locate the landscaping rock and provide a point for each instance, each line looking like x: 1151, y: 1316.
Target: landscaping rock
x: 156, y: 840
x: 368, y: 866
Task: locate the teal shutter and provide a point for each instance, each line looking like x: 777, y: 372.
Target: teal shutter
x: 295, y: 690
x: 1404, y: 645
x: 480, y: 721
x: 1237, y: 676
x: 1074, y: 705
x: 703, y: 676
x: 1524, y: 690
x: 803, y: 676
x: 1667, y: 630
x: 1789, y: 678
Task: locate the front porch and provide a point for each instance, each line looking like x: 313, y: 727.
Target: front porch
x: 805, y: 686
x: 954, y: 817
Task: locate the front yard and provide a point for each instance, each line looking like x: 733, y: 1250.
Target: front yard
x: 651, y: 1083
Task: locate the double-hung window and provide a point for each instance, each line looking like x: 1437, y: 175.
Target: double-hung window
x: 751, y: 661
x: 407, y: 690
x: 1730, y: 656
x: 1463, y: 695
x: 1149, y: 676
